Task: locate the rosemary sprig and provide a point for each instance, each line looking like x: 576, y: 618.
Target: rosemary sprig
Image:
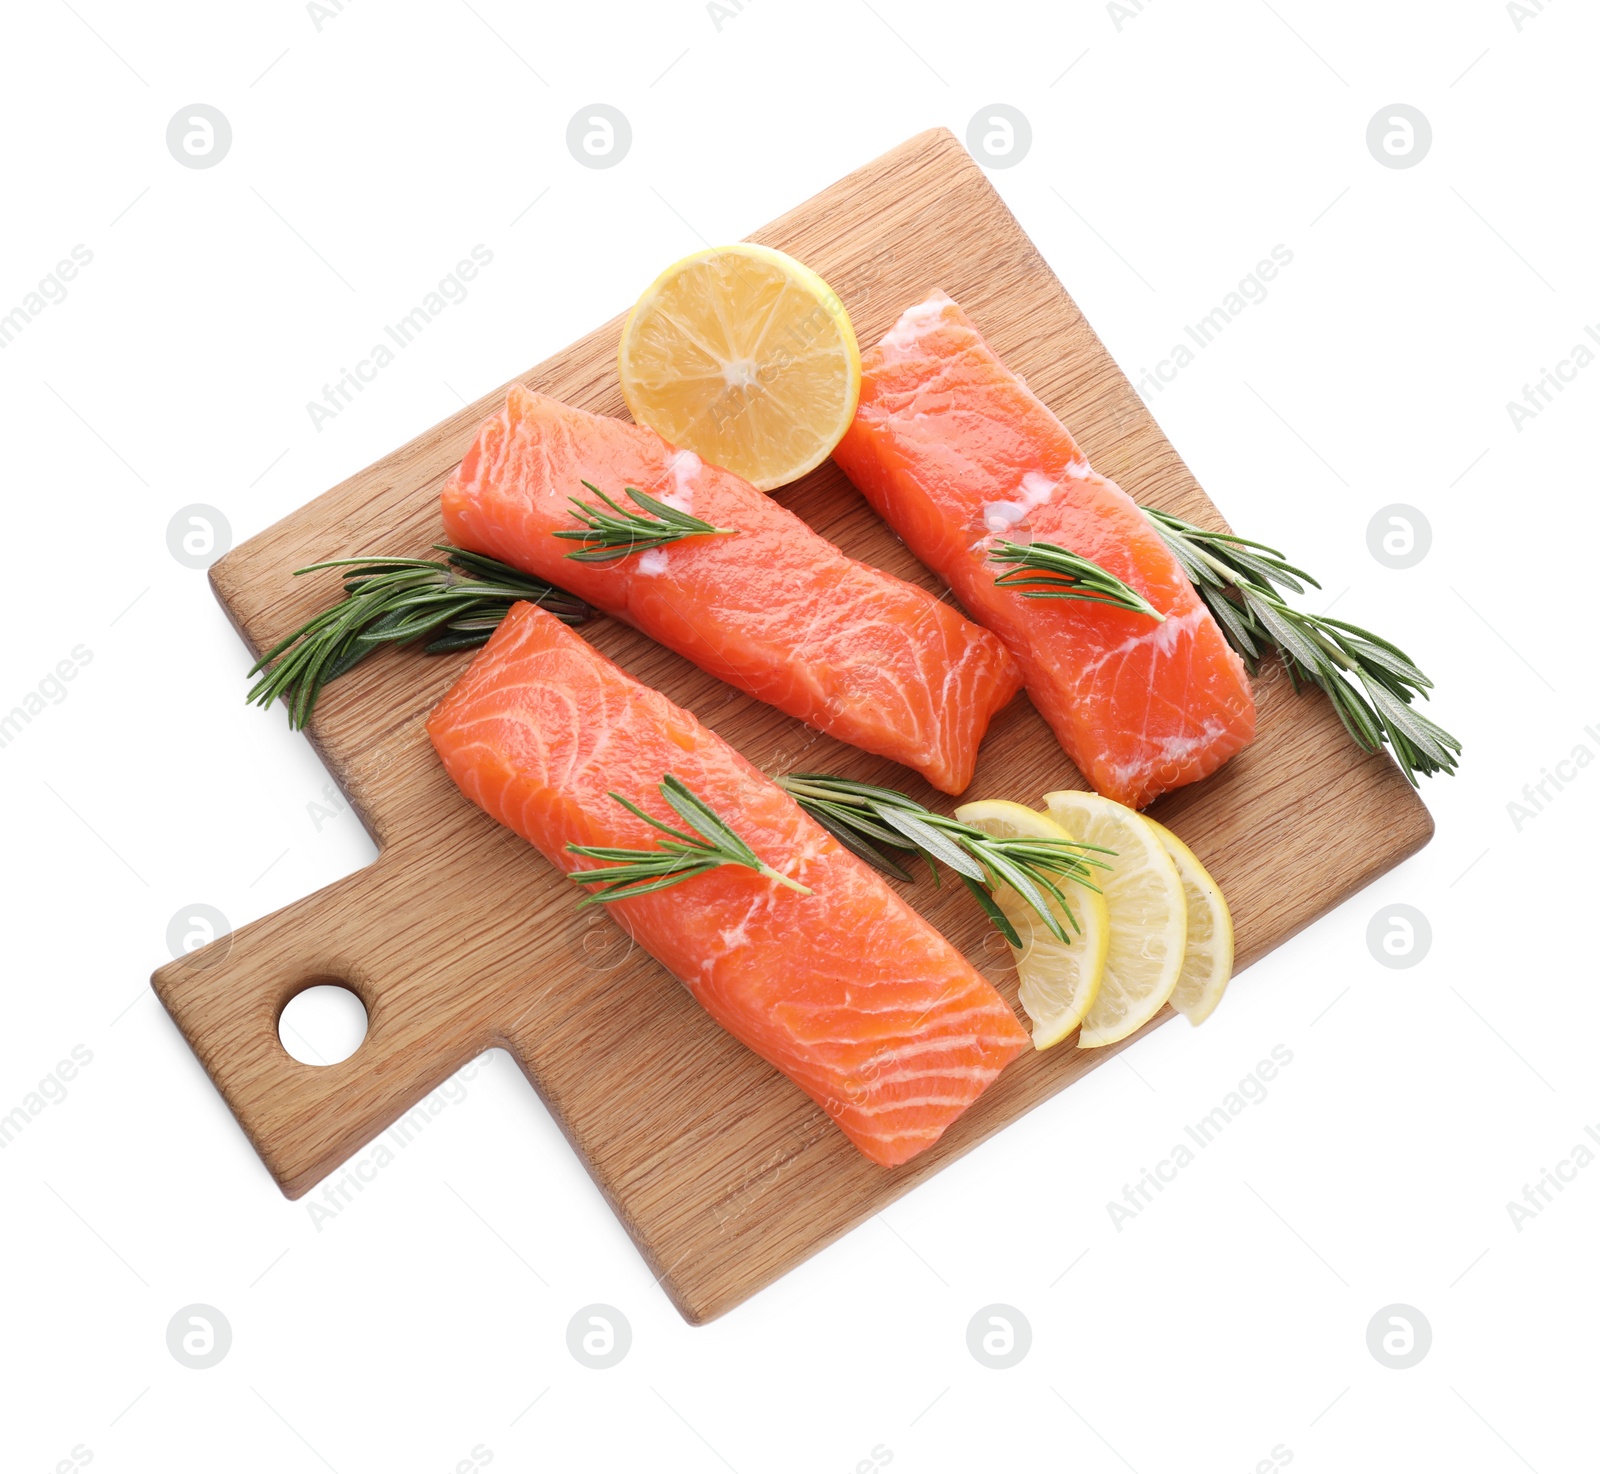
x: 1371, y: 682
x: 630, y: 873
x: 389, y: 601
x: 865, y: 819
x: 609, y: 536
x: 1046, y: 571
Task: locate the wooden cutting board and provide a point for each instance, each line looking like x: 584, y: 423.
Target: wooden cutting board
x: 461, y: 938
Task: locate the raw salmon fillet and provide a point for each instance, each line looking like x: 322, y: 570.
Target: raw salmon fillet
x: 847, y: 991
x: 956, y: 453
x: 775, y: 610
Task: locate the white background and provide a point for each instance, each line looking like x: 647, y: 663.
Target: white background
x: 1169, y: 155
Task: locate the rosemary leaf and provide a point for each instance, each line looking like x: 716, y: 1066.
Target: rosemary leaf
x: 630, y: 873
x: 991, y: 909
x: 1044, y: 571
x: 861, y: 848
x: 931, y: 842
x: 608, y: 536
x: 1234, y: 625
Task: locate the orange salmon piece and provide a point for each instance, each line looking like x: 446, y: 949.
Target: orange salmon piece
x: 774, y: 610
x: 847, y: 991
x: 956, y: 453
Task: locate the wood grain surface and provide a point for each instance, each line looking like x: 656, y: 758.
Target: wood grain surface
x: 460, y: 937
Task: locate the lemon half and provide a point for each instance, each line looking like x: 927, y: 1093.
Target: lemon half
x: 1149, y: 916
x: 1057, y: 983
x: 1208, y: 952
x: 747, y: 358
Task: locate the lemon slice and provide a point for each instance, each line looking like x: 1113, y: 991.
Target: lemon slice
x: 1058, y: 983
x: 747, y: 358
x: 1208, y: 953
x: 1149, y: 920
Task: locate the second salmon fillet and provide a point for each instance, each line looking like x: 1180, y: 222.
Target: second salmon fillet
x: 774, y: 609
x: 956, y: 453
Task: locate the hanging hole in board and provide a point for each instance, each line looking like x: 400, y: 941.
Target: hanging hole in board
x: 323, y: 1025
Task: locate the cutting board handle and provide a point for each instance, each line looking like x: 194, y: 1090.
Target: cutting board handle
x: 363, y: 933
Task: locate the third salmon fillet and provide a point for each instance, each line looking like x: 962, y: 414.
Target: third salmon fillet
x: 847, y: 990
x: 956, y: 453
